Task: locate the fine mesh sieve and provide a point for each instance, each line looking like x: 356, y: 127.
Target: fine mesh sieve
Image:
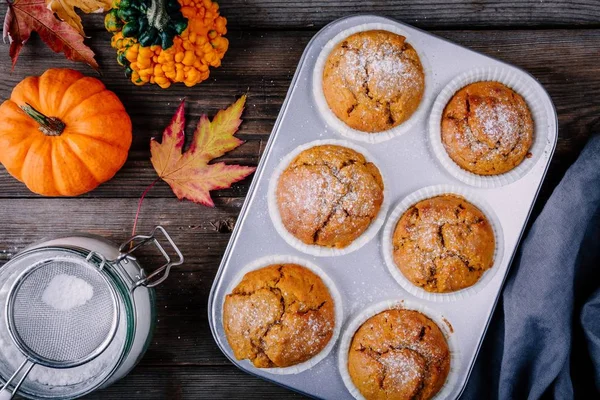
x: 68, y: 342
x: 52, y: 323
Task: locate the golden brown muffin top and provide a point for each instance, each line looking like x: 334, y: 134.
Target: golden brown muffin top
x: 373, y: 80
x: 443, y: 244
x: 279, y: 316
x: 487, y: 128
x: 329, y: 195
x: 399, y: 354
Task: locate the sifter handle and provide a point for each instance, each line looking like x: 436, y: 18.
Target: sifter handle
x: 5, y: 393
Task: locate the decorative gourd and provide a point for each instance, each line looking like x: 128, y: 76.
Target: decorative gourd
x: 166, y: 41
x: 63, y: 134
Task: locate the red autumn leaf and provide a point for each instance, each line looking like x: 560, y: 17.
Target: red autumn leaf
x: 189, y: 174
x: 26, y: 16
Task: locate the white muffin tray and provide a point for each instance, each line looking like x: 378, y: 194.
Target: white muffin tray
x: 409, y: 159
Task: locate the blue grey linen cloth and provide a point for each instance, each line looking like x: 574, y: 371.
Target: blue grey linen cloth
x: 544, y: 339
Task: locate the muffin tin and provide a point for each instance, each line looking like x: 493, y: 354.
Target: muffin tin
x: 410, y: 164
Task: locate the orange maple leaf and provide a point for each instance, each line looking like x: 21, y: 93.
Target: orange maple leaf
x: 189, y: 174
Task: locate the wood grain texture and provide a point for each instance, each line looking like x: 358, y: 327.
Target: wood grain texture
x: 426, y: 14
x: 183, y: 361
x: 263, y: 65
x: 192, y: 383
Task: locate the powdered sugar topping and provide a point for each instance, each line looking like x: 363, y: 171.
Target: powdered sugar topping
x: 65, y: 292
x: 383, y: 72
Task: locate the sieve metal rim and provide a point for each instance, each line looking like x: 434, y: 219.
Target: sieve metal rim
x: 27, y: 352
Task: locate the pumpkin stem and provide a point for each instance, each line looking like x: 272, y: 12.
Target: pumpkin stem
x: 50, y: 126
x: 157, y: 14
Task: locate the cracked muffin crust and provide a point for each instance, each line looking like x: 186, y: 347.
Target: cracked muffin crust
x: 443, y: 244
x: 399, y: 354
x: 279, y: 316
x: 373, y: 80
x: 487, y: 128
x: 329, y: 195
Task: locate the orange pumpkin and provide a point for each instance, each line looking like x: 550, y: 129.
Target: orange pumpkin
x: 63, y: 134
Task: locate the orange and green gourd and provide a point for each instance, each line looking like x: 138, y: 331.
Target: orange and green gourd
x: 167, y: 41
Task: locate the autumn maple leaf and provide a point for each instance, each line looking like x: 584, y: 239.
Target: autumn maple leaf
x: 189, y: 174
x: 26, y: 16
x: 65, y: 9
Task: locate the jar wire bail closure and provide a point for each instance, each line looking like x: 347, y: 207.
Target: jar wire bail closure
x: 52, y: 329
x: 155, y: 278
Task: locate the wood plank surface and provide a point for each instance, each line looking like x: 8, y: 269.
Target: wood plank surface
x: 263, y: 65
x: 192, y: 383
x: 426, y: 14
x: 556, y: 41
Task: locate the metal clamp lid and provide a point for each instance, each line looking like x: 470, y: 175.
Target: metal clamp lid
x: 155, y: 278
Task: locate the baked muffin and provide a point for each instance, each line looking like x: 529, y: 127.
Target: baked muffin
x: 373, y: 80
x: 329, y: 195
x: 487, y: 128
x: 279, y: 316
x: 399, y: 354
x: 443, y: 244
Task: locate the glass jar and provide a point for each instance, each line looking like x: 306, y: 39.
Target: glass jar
x: 136, y: 301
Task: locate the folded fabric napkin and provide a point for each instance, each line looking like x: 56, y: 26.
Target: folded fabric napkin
x: 544, y: 339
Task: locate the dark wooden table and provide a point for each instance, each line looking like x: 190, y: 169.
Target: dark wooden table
x: 556, y: 41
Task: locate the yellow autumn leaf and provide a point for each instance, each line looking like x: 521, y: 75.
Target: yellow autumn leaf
x: 65, y: 9
x: 189, y: 173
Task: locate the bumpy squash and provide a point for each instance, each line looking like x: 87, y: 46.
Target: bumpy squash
x: 63, y: 134
x: 167, y: 41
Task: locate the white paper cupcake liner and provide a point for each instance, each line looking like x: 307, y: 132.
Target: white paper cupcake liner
x: 521, y: 83
x: 361, y: 318
x: 315, y: 250
x: 427, y: 193
x: 333, y: 291
x: 340, y: 126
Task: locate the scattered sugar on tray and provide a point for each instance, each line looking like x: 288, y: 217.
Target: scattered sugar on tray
x: 65, y: 292
x: 363, y: 293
